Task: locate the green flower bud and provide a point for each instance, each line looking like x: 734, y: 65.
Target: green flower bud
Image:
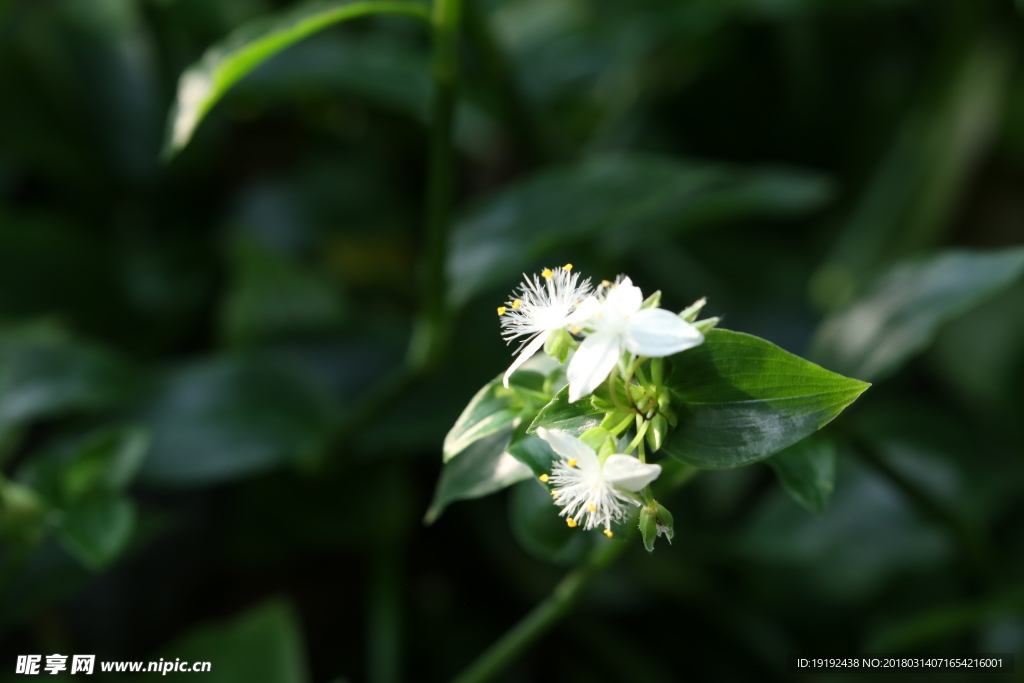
x: 690, y: 313
x: 703, y: 326
x: 653, y: 301
x: 558, y: 344
x: 649, y: 526
x: 657, y: 430
x: 655, y: 520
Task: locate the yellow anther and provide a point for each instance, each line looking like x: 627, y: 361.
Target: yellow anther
x: 576, y: 329
x: 571, y: 523
x: 572, y: 463
x: 608, y: 533
x: 516, y: 303
x: 567, y: 266
x: 592, y: 508
x: 501, y: 310
x: 547, y: 272
x: 543, y: 478
x: 605, y: 283
x: 554, y: 494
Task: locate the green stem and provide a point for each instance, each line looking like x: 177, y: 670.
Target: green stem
x: 544, y: 616
x: 431, y: 329
x: 639, y: 438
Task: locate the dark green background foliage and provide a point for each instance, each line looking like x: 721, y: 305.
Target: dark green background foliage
x: 187, y: 348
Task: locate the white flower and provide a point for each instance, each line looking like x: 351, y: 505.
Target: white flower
x: 589, y: 491
x: 543, y: 305
x: 613, y: 323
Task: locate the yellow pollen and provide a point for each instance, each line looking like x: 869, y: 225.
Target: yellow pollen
x: 567, y: 266
x: 572, y: 463
x: 571, y: 523
x: 608, y: 533
x: 516, y: 303
x: 554, y: 494
x: 592, y: 508
x: 605, y: 283
x: 501, y: 310
x: 576, y: 329
x: 547, y: 272
x: 543, y: 478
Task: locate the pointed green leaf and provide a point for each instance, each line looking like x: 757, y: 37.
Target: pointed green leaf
x: 204, y: 83
x: 572, y: 418
x: 740, y: 399
x: 482, y: 469
x: 491, y: 410
x: 807, y: 470
x: 96, y: 529
x: 901, y: 311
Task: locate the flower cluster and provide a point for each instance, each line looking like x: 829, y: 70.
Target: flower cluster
x: 612, y: 321
x: 606, y: 328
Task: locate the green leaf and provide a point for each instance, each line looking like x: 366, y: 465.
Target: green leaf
x: 539, y: 529
x: 807, y: 470
x: 271, y: 298
x: 107, y: 461
x: 613, y: 197
x: 482, y: 469
x: 572, y: 418
x: 491, y: 410
x: 97, y: 528
x: 204, y: 83
x: 224, y: 418
x: 901, y: 311
x: 740, y: 399
x: 44, y: 373
x: 264, y: 644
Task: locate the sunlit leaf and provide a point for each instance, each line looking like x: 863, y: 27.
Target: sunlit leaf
x: 483, y: 468
x: 807, y: 470
x: 204, y: 83
x: 740, y: 399
x: 572, y: 418
x: 900, y: 312
x: 492, y: 409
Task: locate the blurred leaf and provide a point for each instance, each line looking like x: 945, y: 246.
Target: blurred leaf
x: 264, y: 644
x: 224, y: 418
x: 539, y: 529
x: 807, y: 470
x: 492, y: 409
x: 921, y: 630
x: 913, y: 196
x: 271, y: 298
x: 740, y: 399
x: 44, y: 373
x: 96, y: 529
x: 613, y: 197
x: 901, y: 311
x: 107, y: 461
x: 869, y: 537
x: 204, y: 83
x: 482, y: 469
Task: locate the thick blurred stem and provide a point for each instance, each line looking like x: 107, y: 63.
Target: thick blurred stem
x: 554, y: 608
x: 432, y: 326
x: 544, y: 616
x: 385, y: 632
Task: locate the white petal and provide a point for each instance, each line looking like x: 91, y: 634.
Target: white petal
x: 524, y: 355
x: 628, y: 473
x: 655, y: 332
x: 625, y: 297
x: 595, y: 358
x: 571, y: 448
x: 587, y: 309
